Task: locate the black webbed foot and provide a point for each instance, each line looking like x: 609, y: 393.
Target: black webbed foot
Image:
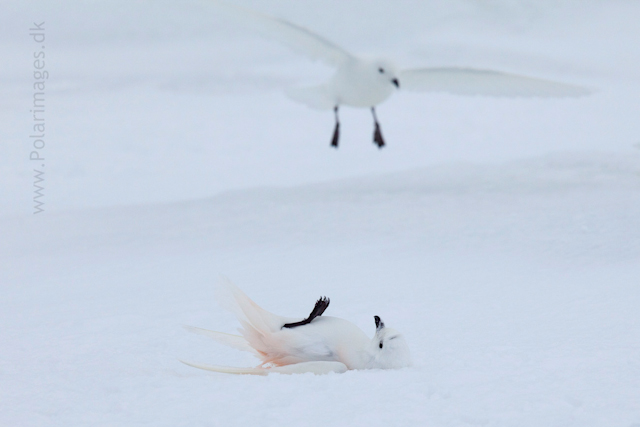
x: 320, y: 307
x: 336, y: 136
x: 336, y: 131
x: 377, y: 136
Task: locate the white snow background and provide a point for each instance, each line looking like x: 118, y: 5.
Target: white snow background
x: 502, y: 236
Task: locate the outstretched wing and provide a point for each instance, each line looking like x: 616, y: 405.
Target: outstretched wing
x: 227, y: 369
x: 292, y: 35
x: 317, y: 368
x: 470, y: 81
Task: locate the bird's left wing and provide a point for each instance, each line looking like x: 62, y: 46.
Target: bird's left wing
x: 471, y: 81
x: 292, y: 35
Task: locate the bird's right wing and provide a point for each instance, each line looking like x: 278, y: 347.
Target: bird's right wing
x: 471, y: 81
x: 292, y: 35
x: 227, y: 369
x: 317, y: 368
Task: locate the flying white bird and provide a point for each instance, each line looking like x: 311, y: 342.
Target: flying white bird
x: 317, y: 344
x: 362, y: 82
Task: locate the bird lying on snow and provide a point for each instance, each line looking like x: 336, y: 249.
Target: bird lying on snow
x: 366, y: 82
x: 318, y: 344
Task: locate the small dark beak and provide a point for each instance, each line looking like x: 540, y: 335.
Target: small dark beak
x: 396, y: 82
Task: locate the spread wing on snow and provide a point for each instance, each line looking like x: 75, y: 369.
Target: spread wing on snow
x: 294, y: 36
x: 227, y: 369
x: 317, y: 368
x: 470, y: 81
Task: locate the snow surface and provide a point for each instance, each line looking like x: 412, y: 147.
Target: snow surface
x: 502, y: 237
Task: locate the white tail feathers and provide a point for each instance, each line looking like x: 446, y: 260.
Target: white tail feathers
x: 234, y: 341
x: 250, y: 314
x: 259, y: 327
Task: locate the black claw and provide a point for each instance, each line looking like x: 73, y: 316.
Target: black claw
x: 336, y: 136
x: 336, y: 131
x: 377, y: 136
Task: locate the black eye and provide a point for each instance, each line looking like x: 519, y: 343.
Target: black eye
x: 381, y: 70
x: 380, y: 344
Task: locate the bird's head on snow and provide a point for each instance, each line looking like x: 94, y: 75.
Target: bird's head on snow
x: 384, y: 71
x: 388, y: 348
